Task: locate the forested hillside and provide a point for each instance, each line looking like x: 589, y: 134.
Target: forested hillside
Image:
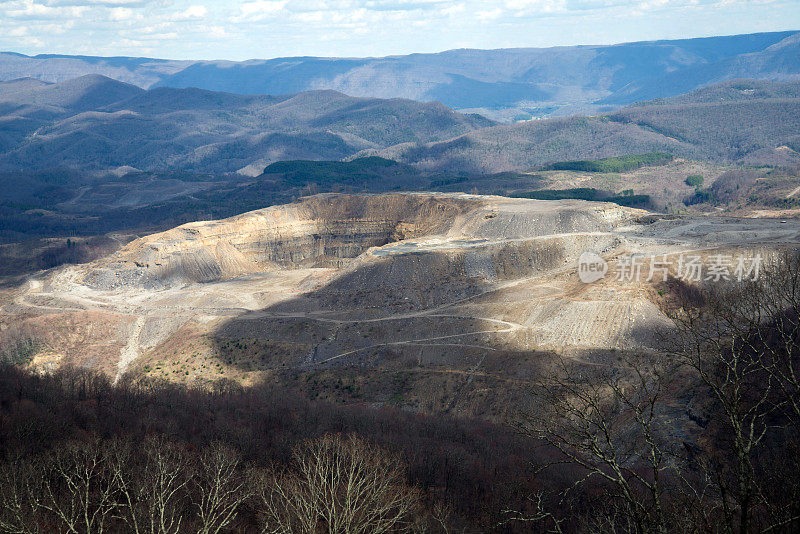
x: 734, y: 121
x: 94, y: 122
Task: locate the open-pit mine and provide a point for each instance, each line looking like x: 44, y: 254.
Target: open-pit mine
x: 431, y: 302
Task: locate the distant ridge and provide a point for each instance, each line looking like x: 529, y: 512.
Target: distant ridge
x: 515, y: 83
x: 91, y: 91
x: 96, y: 123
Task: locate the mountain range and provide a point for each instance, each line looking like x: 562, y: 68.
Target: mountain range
x: 506, y: 84
x: 95, y: 122
x: 744, y: 121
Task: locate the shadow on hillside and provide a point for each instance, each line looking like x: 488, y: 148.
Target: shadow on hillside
x: 404, y: 333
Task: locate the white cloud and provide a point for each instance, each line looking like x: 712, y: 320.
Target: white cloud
x: 194, y: 12
x: 107, y: 3
x: 260, y: 9
x: 29, y: 9
x: 216, y: 31
x: 453, y: 9
x: 278, y: 28
x: 127, y: 3
x: 34, y: 42
x: 535, y: 7
x: 404, y: 5
x: 169, y: 36
x: 490, y: 14
x: 128, y: 43
x: 123, y: 14
x: 311, y: 16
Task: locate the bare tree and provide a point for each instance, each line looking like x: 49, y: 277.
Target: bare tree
x: 741, y: 341
x: 607, y: 425
x: 770, y: 326
x: 20, y: 488
x: 220, y: 488
x: 153, y: 491
x: 80, y: 487
x: 339, y: 485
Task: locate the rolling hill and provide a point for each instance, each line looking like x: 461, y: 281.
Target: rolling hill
x: 736, y: 121
x: 94, y: 122
x: 519, y: 82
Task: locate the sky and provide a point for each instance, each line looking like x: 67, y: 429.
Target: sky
x: 246, y: 29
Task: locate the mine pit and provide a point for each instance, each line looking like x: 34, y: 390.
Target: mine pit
x: 382, y: 281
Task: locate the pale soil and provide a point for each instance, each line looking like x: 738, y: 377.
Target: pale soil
x: 493, y: 280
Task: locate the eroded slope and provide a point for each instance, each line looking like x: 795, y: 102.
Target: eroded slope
x: 434, y: 302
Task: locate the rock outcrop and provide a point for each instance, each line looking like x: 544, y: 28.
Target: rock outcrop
x: 330, y: 230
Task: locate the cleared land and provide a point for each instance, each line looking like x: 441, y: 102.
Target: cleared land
x: 427, y: 301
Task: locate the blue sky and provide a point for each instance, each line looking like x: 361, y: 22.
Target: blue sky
x: 205, y: 29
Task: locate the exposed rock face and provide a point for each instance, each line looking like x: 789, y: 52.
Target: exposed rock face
x: 438, y: 302
x: 329, y: 230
